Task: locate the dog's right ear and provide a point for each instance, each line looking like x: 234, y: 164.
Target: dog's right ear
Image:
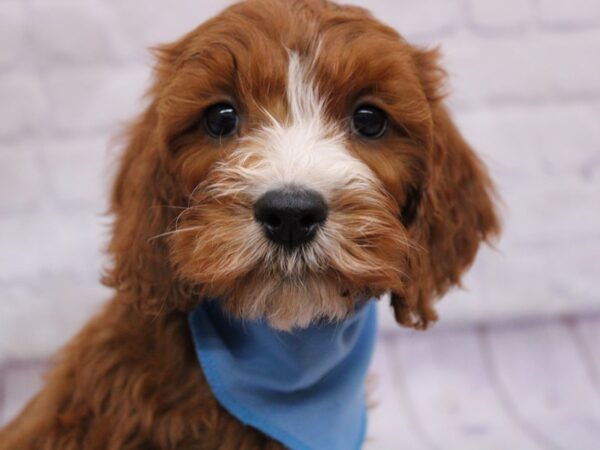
x: 144, y: 200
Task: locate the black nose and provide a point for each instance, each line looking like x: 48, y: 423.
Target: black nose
x: 291, y: 217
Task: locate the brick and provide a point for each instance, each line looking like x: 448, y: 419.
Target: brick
x: 72, y: 31
x: 50, y: 241
x: 513, y: 69
x: 79, y: 241
x: 417, y: 20
x: 24, y: 242
x: 571, y: 62
x: 21, y: 184
x: 41, y: 313
x: 23, y: 104
x: 183, y: 16
x: 12, y: 33
x: 491, y: 15
x: 571, y: 13
x: 21, y: 382
x: 77, y: 170
x: 551, y: 210
x: 92, y: 99
x: 534, y: 142
x: 541, y: 284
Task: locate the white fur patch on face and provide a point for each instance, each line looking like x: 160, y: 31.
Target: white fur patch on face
x: 305, y: 150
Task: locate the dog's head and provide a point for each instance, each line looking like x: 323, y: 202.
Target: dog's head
x: 295, y: 159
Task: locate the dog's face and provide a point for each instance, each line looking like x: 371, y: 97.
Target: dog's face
x: 294, y: 161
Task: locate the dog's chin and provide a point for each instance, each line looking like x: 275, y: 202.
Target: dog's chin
x: 292, y: 303
x: 354, y: 257
x: 253, y: 280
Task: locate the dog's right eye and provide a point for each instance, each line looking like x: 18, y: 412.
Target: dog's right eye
x: 221, y: 120
x: 369, y: 122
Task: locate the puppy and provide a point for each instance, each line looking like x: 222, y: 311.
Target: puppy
x: 295, y: 162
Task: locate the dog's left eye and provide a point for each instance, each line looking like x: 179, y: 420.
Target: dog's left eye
x: 221, y: 120
x: 369, y: 121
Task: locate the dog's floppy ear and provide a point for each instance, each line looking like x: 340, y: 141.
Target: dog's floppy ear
x: 143, y: 201
x: 454, y: 211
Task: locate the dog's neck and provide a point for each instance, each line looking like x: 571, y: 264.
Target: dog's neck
x: 286, y: 383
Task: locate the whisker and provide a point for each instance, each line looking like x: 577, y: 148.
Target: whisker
x: 170, y: 207
x: 170, y: 233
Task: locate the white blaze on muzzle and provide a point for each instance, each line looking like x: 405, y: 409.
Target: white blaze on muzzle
x: 305, y: 150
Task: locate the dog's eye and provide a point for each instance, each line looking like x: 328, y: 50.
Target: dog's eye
x: 221, y: 120
x: 369, y: 121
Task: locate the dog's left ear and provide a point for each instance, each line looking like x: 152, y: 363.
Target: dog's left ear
x: 453, y: 211
x: 144, y: 200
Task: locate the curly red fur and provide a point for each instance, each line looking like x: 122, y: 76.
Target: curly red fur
x: 183, y: 227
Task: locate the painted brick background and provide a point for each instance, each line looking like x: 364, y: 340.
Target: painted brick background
x: 526, y: 92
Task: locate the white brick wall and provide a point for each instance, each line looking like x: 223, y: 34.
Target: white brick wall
x: 526, y: 92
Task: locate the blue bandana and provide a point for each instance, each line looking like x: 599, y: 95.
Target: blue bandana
x: 304, y: 389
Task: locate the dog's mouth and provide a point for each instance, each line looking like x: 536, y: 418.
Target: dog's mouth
x: 350, y: 259
x: 290, y: 288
